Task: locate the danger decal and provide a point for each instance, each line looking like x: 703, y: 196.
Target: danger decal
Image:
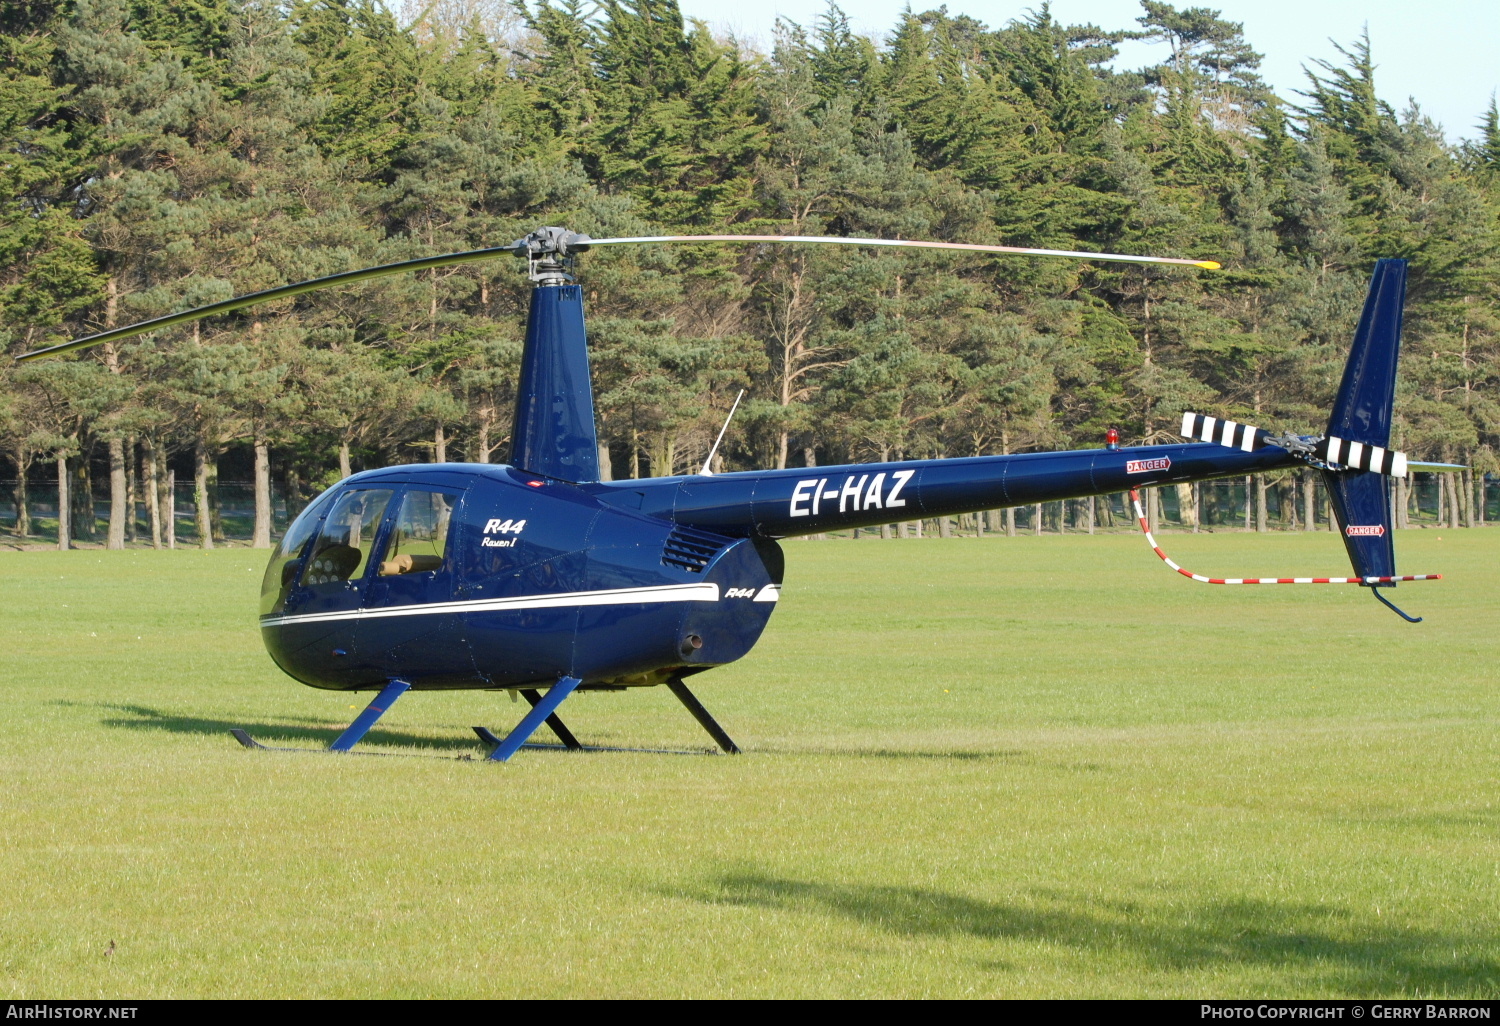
x: 1146, y: 466
x: 1365, y: 530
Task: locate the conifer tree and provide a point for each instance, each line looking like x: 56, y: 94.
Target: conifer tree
x: 162, y: 155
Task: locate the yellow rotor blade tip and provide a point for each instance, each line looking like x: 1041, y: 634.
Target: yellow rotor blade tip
x: 1209, y: 265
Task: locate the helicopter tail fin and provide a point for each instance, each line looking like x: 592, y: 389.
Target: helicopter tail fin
x: 1361, y: 421
x: 1361, y: 506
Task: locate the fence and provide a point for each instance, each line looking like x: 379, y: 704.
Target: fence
x: 1222, y: 505
x: 236, y: 504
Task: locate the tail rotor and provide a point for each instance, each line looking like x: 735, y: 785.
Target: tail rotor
x: 1353, y: 456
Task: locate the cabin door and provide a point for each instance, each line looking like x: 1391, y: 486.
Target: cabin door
x: 409, y: 623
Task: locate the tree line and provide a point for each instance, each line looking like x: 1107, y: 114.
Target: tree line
x: 164, y: 154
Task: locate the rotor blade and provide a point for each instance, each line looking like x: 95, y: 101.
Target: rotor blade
x: 1434, y: 468
x: 840, y: 240
x: 1224, y: 432
x: 1338, y: 451
x: 270, y: 295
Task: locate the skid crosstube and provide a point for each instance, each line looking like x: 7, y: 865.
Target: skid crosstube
x: 534, y: 698
x: 541, y: 712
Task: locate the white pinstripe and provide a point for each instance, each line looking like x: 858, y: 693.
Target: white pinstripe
x: 703, y: 592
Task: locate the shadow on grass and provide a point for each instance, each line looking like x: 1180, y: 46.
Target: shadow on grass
x: 1357, y: 958
x: 268, y: 734
x: 955, y: 755
x: 140, y: 717
x: 316, y: 729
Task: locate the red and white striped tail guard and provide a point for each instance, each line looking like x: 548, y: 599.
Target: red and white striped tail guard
x: 1140, y: 516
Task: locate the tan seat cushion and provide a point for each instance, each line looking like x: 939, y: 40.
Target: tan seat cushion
x: 410, y: 565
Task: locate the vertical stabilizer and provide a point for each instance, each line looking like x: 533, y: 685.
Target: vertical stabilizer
x: 1362, y: 413
x: 554, y: 433
x: 1362, y: 508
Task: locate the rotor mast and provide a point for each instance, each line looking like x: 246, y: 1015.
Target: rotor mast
x: 555, y: 434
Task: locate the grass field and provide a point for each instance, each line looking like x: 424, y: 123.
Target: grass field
x: 998, y: 767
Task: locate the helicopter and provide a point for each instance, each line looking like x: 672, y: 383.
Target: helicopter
x: 539, y: 578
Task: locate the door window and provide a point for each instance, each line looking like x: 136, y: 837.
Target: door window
x: 419, y: 541
x: 348, y: 535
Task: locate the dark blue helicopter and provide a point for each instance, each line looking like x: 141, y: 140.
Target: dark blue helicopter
x: 540, y: 578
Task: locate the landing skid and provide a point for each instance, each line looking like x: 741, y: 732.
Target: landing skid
x: 489, y: 737
x: 543, y: 710
x: 492, y: 739
x: 352, y: 734
x: 244, y: 738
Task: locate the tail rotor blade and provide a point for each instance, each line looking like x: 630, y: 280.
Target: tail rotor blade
x: 1224, y: 432
x: 1358, y: 456
x: 839, y: 240
x: 1337, y: 452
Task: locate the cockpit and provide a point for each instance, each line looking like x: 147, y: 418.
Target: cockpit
x: 347, y: 534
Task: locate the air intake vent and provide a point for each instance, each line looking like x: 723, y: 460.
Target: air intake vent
x: 691, y: 550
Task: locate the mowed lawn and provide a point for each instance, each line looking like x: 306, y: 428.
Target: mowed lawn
x: 998, y: 767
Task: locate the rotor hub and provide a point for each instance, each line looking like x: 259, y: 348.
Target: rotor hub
x: 549, y: 254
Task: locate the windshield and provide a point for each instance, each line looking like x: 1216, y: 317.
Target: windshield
x: 284, y: 566
x: 346, y: 536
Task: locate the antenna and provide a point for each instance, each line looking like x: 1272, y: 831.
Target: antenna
x: 705, y: 472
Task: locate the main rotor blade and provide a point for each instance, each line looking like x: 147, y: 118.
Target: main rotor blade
x: 840, y: 240
x: 270, y: 295
x: 530, y: 243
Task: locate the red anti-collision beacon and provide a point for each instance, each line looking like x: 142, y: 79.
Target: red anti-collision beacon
x: 1111, y: 439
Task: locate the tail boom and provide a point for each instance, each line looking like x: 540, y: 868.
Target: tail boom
x: 813, y: 500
